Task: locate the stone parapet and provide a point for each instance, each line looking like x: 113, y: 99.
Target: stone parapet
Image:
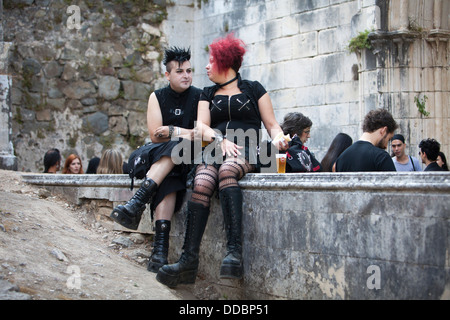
x: 317, y: 236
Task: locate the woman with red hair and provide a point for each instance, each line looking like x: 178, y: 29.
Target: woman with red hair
x: 73, y: 165
x: 229, y: 110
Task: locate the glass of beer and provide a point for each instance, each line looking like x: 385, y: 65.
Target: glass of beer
x: 281, y: 162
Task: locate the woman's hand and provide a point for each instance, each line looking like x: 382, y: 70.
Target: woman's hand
x: 230, y: 148
x: 281, y: 142
x: 282, y: 145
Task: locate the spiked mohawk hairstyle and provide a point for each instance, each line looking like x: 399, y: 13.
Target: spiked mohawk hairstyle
x: 179, y: 55
x: 228, y: 53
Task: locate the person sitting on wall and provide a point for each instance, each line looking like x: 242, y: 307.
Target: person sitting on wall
x: 52, y: 161
x: 171, y: 113
x: 401, y: 160
x: 429, y: 151
x: 231, y: 104
x: 368, y: 153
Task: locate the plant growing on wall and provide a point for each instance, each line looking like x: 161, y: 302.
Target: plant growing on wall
x: 360, y: 42
x: 420, y: 103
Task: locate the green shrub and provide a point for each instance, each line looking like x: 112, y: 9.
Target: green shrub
x: 360, y: 42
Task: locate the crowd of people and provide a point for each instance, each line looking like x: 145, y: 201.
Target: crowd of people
x: 110, y: 163
x: 229, y: 105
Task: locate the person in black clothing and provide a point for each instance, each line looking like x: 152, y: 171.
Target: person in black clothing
x: 230, y: 106
x: 442, y: 161
x: 339, y: 144
x: 429, y: 151
x: 93, y: 165
x: 299, y: 157
x: 368, y: 153
x: 171, y: 113
x: 52, y: 161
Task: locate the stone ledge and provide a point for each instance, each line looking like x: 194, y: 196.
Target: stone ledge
x: 316, y: 236
x: 399, y: 181
x: 436, y: 181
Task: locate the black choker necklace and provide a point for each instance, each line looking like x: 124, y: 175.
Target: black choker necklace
x: 228, y: 82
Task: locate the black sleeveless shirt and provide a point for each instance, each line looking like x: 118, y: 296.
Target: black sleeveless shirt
x: 178, y: 109
x: 239, y: 111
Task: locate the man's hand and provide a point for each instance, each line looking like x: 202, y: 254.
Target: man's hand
x: 162, y: 132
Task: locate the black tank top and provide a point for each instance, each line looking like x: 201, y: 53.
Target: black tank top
x: 176, y: 106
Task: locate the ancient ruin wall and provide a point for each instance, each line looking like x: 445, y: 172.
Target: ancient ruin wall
x: 299, y: 51
x: 82, y: 72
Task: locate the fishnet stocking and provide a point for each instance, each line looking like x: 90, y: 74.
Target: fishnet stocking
x: 204, y: 184
x: 232, y: 170
x: 207, y: 177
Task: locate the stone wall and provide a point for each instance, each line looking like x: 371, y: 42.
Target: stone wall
x: 343, y: 236
x: 298, y: 51
x: 81, y: 86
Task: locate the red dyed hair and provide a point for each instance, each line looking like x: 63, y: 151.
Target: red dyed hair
x: 227, y: 53
x: 69, y: 161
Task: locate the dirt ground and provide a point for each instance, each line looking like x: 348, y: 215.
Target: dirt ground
x: 50, y: 250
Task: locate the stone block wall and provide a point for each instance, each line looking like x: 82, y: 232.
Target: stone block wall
x: 343, y: 236
x: 298, y: 51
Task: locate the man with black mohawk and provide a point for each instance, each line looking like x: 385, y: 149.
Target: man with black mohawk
x: 171, y: 113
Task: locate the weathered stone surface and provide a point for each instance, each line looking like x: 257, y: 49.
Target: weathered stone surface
x: 9, y: 291
x: 44, y: 115
x: 88, y: 101
x: 151, y: 30
x: 31, y: 65
x: 96, y: 122
x: 56, y: 104
x: 53, y: 91
x: 137, y: 124
x: 136, y: 90
x: 53, y: 62
x: 340, y: 236
x: 108, y: 87
x: 69, y: 73
x: 53, y: 69
x: 79, y: 90
x: 144, y: 75
x: 119, y: 125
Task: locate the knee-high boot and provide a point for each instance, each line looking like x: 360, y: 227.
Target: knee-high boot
x: 185, y: 270
x: 129, y: 215
x: 231, y: 202
x: 160, y: 246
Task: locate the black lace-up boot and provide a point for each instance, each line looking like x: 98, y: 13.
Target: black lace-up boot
x: 129, y: 214
x: 160, y: 246
x: 231, y: 202
x: 185, y: 270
